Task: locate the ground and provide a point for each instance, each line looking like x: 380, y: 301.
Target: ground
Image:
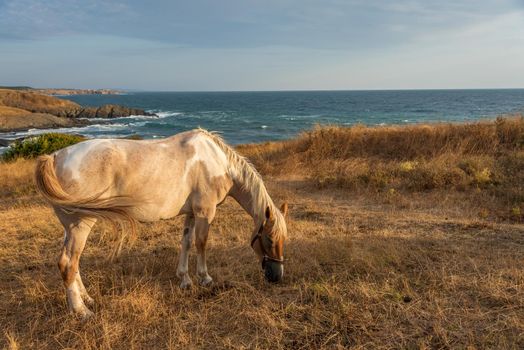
x: 19, y: 119
x: 363, y: 269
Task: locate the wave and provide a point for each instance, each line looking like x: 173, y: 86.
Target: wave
x: 87, y: 130
x: 292, y: 117
x: 123, y: 126
x: 159, y: 115
x: 167, y: 114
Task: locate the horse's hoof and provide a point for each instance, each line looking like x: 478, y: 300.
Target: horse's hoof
x: 88, y: 300
x: 186, y: 284
x: 206, y: 281
x: 88, y: 315
x: 84, y: 314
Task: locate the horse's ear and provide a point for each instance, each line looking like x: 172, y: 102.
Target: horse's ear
x: 284, y: 208
x: 269, y: 214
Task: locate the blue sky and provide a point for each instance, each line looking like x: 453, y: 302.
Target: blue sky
x: 262, y: 45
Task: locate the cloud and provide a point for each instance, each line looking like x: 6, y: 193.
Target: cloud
x: 34, y: 19
x: 335, y: 24
x: 255, y: 44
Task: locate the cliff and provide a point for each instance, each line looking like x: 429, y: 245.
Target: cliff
x: 15, y: 119
x: 109, y: 111
x: 38, y: 103
x: 24, y: 109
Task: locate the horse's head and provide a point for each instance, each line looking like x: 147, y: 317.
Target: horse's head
x: 268, y: 243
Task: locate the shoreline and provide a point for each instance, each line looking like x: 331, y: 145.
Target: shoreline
x: 74, y: 123
x: 22, y: 110
x: 249, y: 118
x: 6, y: 140
x: 63, y: 91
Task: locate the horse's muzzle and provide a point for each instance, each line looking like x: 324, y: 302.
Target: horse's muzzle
x: 273, y: 270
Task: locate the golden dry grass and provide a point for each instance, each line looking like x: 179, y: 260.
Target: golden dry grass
x: 10, y: 112
x: 366, y: 268
x: 484, y: 161
x: 25, y: 109
x: 35, y: 102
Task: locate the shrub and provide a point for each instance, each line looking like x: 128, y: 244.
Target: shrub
x: 42, y: 144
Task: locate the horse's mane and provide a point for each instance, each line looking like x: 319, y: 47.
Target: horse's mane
x: 241, y: 170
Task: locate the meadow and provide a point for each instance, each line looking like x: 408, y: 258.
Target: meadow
x: 399, y: 237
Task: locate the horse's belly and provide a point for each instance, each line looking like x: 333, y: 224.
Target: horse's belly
x: 165, y: 210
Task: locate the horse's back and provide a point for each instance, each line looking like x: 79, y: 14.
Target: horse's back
x: 103, y: 163
x: 87, y: 160
x: 162, y: 172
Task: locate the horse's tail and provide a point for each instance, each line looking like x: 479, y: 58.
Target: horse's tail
x: 116, y: 209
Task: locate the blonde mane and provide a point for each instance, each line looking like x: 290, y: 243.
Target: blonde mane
x: 241, y: 170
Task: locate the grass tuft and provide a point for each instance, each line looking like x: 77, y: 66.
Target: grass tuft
x: 38, y: 145
x: 485, y: 155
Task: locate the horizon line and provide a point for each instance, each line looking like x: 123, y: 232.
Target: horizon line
x: 261, y: 90
x: 302, y: 90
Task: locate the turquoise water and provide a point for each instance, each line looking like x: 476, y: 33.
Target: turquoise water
x: 261, y: 116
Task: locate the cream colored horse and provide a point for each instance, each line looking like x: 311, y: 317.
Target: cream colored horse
x: 123, y: 180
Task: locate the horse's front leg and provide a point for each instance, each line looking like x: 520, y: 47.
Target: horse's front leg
x: 201, y: 233
x: 183, y: 262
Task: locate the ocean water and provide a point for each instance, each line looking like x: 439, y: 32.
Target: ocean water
x: 244, y: 117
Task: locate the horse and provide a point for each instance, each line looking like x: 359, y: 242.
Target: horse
x: 130, y: 181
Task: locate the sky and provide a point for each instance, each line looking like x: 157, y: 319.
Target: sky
x: 208, y: 45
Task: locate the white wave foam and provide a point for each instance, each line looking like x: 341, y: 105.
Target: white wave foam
x: 144, y: 123
x: 84, y: 130
x: 297, y: 117
x: 109, y: 120
x: 159, y: 115
x: 167, y: 114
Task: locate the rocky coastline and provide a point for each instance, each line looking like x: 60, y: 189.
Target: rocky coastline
x: 21, y: 110
x: 66, y: 92
x: 63, y: 92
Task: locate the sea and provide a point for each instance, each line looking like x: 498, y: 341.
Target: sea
x: 247, y: 117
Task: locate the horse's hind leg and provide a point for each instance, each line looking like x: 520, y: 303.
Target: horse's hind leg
x: 83, y: 291
x: 183, y: 262
x: 76, y: 232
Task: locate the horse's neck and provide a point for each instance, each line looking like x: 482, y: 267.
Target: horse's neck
x: 245, y: 198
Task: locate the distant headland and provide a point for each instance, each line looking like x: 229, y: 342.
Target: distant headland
x: 64, y: 92
x: 23, y: 108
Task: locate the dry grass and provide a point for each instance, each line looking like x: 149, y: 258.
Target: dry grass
x: 16, y: 183
x: 35, y: 102
x: 19, y: 119
x: 484, y: 161
x: 10, y: 112
x: 365, y: 268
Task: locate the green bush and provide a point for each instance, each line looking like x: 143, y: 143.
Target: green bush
x: 42, y: 144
